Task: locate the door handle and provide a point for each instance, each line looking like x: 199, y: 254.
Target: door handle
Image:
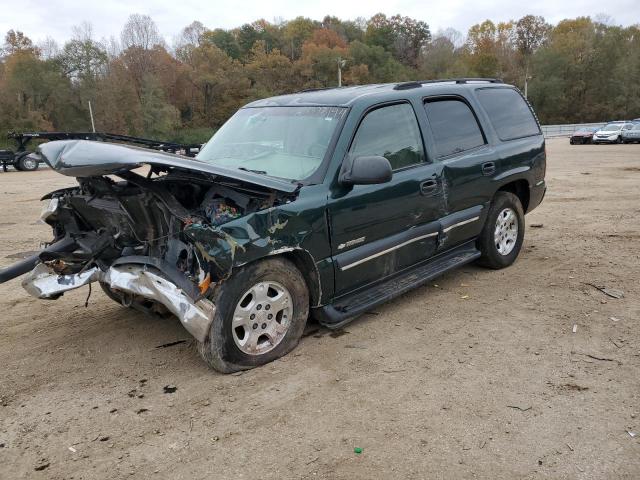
x: 428, y: 187
x: 488, y: 168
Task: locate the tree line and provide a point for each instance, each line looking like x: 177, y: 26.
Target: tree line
x: 580, y: 70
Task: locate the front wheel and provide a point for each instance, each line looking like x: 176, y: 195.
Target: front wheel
x: 501, y: 238
x: 261, y: 312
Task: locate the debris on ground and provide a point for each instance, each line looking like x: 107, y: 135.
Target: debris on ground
x: 631, y: 434
x: 142, y: 410
x: 573, y: 386
x: 610, y: 292
x: 522, y: 409
x: 357, y: 450
x: 615, y: 319
x: 171, y: 344
x: 614, y: 342
x: 537, y: 225
x: 575, y: 328
x: 338, y: 333
x: 41, y: 465
x: 169, y: 388
x: 602, y: 359
x: 73, y: 450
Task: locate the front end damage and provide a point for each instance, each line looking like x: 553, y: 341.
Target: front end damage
x: 155, y: 241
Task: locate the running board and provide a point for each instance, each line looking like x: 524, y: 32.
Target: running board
x: 347, y: 308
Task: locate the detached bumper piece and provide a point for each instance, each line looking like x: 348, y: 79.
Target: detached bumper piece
x: 136, y: 280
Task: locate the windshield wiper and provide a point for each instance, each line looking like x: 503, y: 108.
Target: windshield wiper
x: 261, y: 172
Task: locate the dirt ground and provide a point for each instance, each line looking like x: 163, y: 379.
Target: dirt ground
x: 527, y: 372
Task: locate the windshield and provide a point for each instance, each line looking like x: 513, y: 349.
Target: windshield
x: 612, y: 127
x: 286, y: 142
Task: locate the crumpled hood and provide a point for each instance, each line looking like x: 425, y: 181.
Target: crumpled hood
x: 83, y: 158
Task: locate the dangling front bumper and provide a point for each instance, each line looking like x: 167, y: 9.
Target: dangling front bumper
x: 134, y: 280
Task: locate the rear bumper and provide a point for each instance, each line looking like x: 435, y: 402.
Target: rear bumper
x: 133, y: 280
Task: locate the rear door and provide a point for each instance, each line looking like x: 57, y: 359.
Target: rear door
x: 459, y: 144
x: 378, y: 230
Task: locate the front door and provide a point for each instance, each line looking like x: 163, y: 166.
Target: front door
x: 378, y: 230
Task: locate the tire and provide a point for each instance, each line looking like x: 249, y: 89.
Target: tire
x: 571, y: 142
x: 619, y: 139
x: 115, y: 296
x: 247, y: 296
x: 26, y: 164
x: 504, y: 203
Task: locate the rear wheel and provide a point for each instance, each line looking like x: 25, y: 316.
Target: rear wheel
x: 501, y: 238
x: 261, y: 312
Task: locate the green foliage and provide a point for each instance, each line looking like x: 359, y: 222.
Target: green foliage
x: 579, y: 70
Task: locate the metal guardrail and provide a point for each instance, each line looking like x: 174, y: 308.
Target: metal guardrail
x: 566, y: 130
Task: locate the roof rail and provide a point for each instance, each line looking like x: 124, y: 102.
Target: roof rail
x: 316, y: 89
x: 409, y: 85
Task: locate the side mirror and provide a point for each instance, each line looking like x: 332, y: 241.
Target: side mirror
x: 365, y: 171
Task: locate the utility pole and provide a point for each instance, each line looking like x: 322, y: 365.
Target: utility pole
x: 527, y: 77
x: 341, y: 63
x: 93, y: 125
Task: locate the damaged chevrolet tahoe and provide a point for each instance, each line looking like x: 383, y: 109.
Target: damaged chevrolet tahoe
x: 321, y: 203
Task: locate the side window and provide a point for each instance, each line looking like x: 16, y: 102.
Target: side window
x: 454, y: 127
x: 391, y: 132
x: 509, y: 113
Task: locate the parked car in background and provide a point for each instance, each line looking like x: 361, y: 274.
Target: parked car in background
x: 632, y: 134
x: 611, y: 132
x: 582, y: 136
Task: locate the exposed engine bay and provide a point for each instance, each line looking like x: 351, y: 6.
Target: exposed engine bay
x: 158, y: 218
x: 153, y: 242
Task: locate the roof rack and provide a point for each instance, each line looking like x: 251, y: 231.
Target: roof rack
x: 316, y: 89
x: 418, y: 84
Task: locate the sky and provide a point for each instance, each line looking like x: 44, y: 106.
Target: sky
x: 40, y: 19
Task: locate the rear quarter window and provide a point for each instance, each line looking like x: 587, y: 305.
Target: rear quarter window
x: 508, y: 112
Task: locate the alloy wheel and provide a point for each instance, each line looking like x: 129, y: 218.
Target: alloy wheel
x: 506, y: 231
x: 262, y: 318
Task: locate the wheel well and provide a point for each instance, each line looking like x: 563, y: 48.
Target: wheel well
x: 520, y: 188
x: 305, y: 263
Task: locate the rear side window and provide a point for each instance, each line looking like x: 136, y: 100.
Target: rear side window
x: 391, y: 132
x: 454, y: 127
x: 508, y: 112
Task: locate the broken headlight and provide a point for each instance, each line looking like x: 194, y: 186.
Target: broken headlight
x: 49, y: 209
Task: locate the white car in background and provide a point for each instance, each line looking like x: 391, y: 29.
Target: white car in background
x: 631, y: 135
x: 611, y: 132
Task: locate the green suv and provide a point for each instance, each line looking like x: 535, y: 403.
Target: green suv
x: 321, y: 203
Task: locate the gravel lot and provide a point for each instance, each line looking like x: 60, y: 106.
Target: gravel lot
x: 528, y: 372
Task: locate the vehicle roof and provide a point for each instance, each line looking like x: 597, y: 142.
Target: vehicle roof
x: 348, y: 96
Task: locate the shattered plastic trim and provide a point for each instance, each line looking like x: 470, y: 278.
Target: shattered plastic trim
x: 43, y: 283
